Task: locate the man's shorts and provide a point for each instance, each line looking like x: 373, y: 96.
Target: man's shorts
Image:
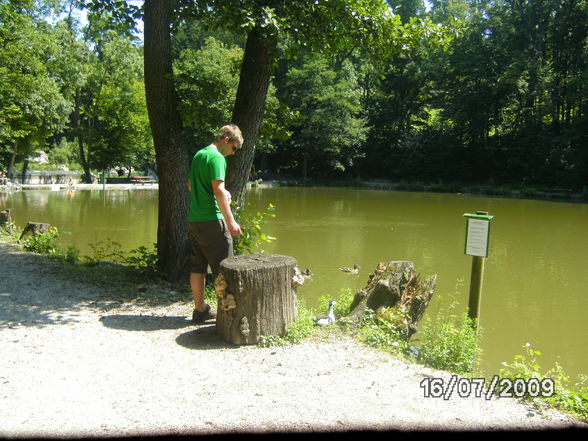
x: 211, y: 242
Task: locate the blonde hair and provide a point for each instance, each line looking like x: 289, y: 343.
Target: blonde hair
x: 232, y: 132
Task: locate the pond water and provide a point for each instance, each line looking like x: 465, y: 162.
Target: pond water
x: 535, y: 280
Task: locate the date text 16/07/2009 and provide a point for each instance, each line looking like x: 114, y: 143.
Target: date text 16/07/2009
x: 476, y: 387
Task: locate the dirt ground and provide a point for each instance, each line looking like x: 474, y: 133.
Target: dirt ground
x: 78, y: 361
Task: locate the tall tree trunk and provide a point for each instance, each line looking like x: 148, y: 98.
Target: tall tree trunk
x: 254, y: 81
x: 25, y: 169
x: 78, y: 126
x: 172, y: 157
x: 12, y: 160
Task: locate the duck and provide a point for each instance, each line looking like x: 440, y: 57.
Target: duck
x: 329, y: 318
x: 307, y: 274
x: 353, y: 270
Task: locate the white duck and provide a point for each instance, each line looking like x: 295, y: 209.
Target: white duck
x: 329, y: 319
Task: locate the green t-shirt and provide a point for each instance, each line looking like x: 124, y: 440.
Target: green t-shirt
x: 208, y: 165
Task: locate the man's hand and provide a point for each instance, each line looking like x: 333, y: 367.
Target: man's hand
x: 234, y: 229
x: 223, y: 198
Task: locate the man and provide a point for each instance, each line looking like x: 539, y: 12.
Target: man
x: 211, y: 224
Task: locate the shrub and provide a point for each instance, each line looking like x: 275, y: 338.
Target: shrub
x: 42, y: 243
x: 449, y: 342
x: 572, y: 398
x: 383, y: 329
x: 252, y: 227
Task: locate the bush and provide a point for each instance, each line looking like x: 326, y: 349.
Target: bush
x: 449, y: 342
x: 383, y: 329
x: 572, y: 398
x: 252, y: 227
x: 42, y: 243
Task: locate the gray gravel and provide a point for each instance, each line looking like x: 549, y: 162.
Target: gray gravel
x: 75, y: 364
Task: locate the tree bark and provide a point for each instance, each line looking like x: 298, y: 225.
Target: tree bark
x: 394, y: 285
x: 34, y: 228
x: 78, y: 126
x: 5, y: 218
x: 12, y: 161
x: 172, y: 157
x: 254, y: 81
x: 257, y: 296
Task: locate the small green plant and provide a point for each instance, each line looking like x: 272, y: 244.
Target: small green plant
x: 343, y: 302
x: 102, y: 251
x: 571, y: 398
x: 304, y: 326
x: 300, y: 329
x: 71, y: 255
x: 210, y: 296
x: 449, y: 342
x: 252, y: 227
x: 42, y: 243
x: 143, y: 260
x: 385, y: 329
x: 10, y: 232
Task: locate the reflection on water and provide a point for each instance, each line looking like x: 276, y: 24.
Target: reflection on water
x: 86, y: 217
x: 535, y: 278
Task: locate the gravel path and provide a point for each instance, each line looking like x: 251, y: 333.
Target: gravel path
x: 75, y: 363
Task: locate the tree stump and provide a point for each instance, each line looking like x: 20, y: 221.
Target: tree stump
x: 256, y: 296
x: 394, y: 285
x: 34, y: 228
x: 5, y: 218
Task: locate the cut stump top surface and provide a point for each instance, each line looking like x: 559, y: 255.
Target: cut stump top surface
x: 251, y: 261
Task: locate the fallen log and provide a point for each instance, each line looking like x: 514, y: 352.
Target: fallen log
x: 394, y: 285
x: 256, y: 296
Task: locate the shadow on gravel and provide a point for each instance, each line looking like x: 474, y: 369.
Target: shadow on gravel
x: 36, y: 291
x: 133, y: 322
x: 204, y: 337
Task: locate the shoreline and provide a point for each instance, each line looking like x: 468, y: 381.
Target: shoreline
x: 511, y: 192
x: 501, y: 191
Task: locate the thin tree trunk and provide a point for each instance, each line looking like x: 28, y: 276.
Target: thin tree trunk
x: 25, y: 169
x: 12, y: 161
x: 254, y: 81
x: 78, y: 126
x: 172, y: 157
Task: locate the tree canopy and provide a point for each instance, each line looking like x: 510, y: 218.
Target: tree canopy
x: 476, y: 91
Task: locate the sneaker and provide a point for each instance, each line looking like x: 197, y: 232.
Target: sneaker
x: 202, y: 316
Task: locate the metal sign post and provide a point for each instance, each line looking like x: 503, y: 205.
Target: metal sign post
x: 476, y: 245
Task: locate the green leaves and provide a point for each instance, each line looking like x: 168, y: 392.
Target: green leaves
x: 329, y: 128
x: 252, y: 225
x: 206, y: 81
x: 31, y: 104
x: 42, y: 243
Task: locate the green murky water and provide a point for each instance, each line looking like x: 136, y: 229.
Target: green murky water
x: 536, y: 275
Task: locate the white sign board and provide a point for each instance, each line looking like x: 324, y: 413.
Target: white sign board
x: 477, y: 235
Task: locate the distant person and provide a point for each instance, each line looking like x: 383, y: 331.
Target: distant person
x: 211, y: 224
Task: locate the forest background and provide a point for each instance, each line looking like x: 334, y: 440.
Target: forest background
x: 505, y: 101
x: 443, y: 91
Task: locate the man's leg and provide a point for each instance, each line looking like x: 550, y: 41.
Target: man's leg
x: 197, y: 282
